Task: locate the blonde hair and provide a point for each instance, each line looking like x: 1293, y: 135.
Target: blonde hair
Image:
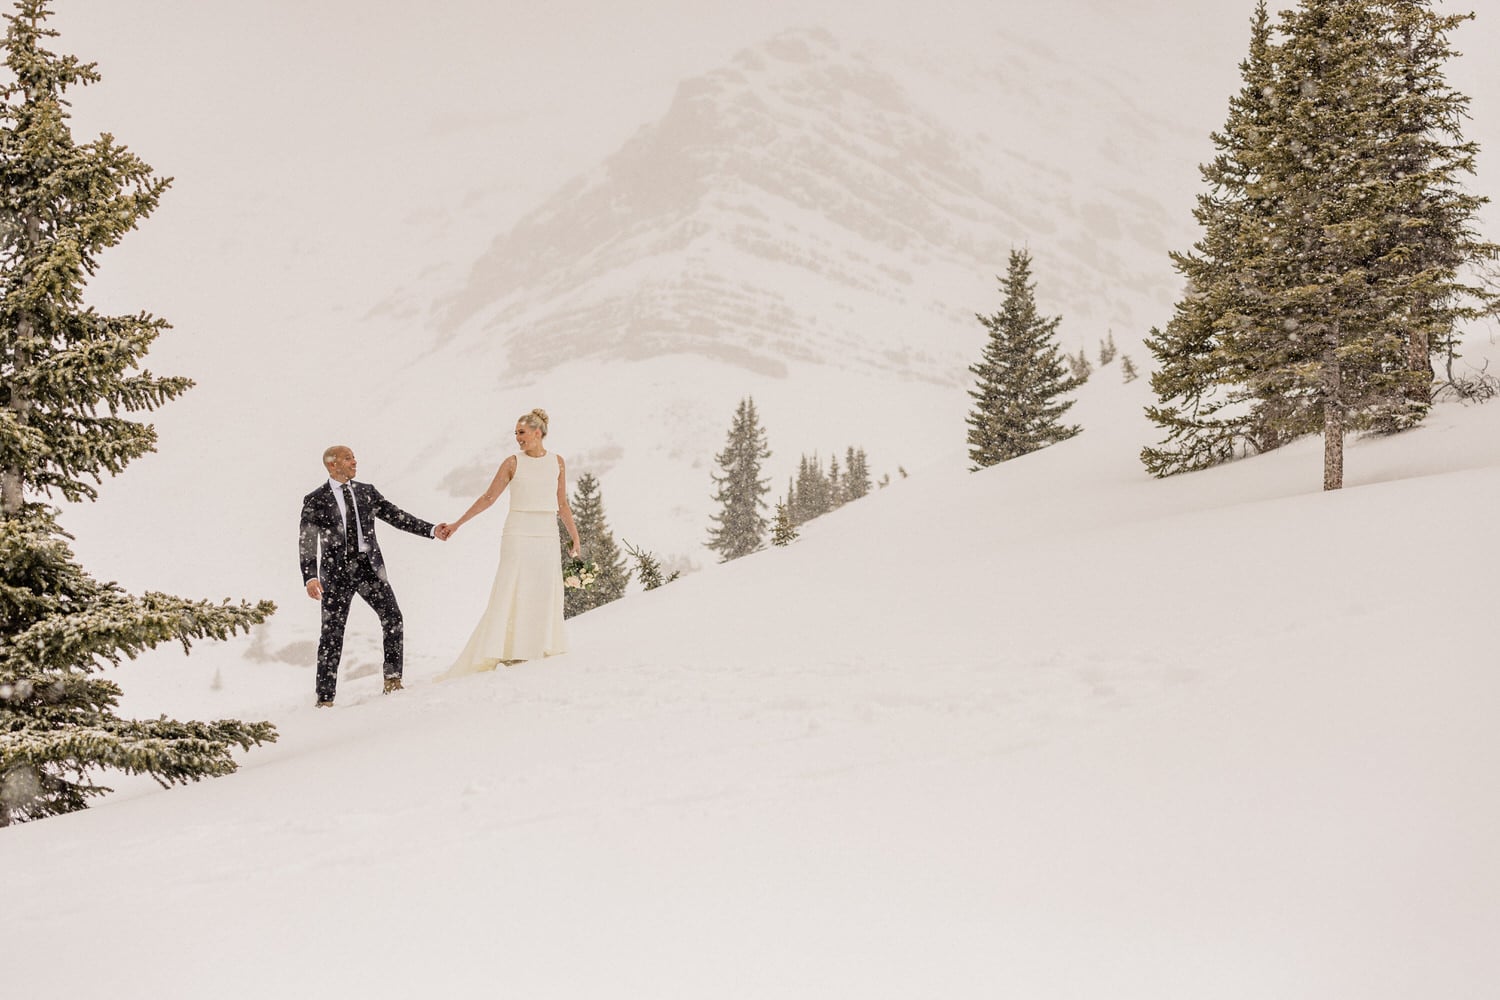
x: 536, y: 420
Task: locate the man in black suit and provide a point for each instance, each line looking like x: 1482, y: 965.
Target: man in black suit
x: 341, y: 558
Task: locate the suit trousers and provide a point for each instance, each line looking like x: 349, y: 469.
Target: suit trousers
x: 338, y: 594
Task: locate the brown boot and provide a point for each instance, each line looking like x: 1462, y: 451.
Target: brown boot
x: 392, y: 684
x: 325, y: 704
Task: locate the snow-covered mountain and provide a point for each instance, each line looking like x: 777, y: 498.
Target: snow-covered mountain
x: 802, y: 205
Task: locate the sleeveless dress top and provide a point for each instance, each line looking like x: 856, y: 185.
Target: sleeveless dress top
x: 533, y: 497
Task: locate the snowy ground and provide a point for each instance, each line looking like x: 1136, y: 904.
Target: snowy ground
x: 1053, y: 730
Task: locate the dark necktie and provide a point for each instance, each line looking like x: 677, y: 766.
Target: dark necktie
x: 351, y: 523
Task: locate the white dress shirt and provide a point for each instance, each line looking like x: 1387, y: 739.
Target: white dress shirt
x: 338, y: 497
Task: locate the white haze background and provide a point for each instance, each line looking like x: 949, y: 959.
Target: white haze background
x: 1053, y: 730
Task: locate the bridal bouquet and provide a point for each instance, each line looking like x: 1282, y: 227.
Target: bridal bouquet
x: 579, y: 574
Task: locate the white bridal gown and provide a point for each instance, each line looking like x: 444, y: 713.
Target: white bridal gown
x: 524, y: 619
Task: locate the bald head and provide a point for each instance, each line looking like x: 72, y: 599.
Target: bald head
x: 338, y: 459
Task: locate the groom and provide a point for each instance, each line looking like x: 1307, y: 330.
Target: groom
x: 338, y: 518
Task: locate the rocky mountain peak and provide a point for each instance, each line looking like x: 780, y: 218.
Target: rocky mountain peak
x: 798, y: 204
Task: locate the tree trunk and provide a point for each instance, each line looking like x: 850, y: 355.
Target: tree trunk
x: 1419, y: 362
x: 1333, y: 418
x: 1333, y: 448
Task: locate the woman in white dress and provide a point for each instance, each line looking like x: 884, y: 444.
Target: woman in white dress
x: 524, y: 619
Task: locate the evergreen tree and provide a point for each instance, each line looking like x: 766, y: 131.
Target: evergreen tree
x: 857, y: 478
x: 1020, y: 377
x: 1202, y: 427
x: 1080, y: 365
x: 783, y: 531
x: 648, y: 568
x: 812, y: 495
x: 598, y: 548
x: 1336, y: 234
x: 1423, y: 234
x: 739, y: 526
x: 1127, y: 369
x: 1338, y: 360
x: 1107, y: 349
x: 67, y: 374
x: 836, y: 496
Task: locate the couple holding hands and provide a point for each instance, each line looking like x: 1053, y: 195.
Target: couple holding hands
x: 341, y: 558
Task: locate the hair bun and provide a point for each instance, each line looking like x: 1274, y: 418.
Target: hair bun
x: 536, y: 419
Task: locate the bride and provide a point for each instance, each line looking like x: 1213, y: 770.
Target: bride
x: 524, y: 619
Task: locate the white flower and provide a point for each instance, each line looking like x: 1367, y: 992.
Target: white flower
x: 572, y: 581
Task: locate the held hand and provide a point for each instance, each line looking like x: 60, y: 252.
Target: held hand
x: 574, y: 550
x: 315, y: 589
x: 442, y: 532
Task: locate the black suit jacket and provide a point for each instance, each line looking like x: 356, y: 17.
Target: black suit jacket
x: 323, y: 529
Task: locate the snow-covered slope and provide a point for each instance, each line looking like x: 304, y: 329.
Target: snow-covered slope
x: 1049, y: 730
